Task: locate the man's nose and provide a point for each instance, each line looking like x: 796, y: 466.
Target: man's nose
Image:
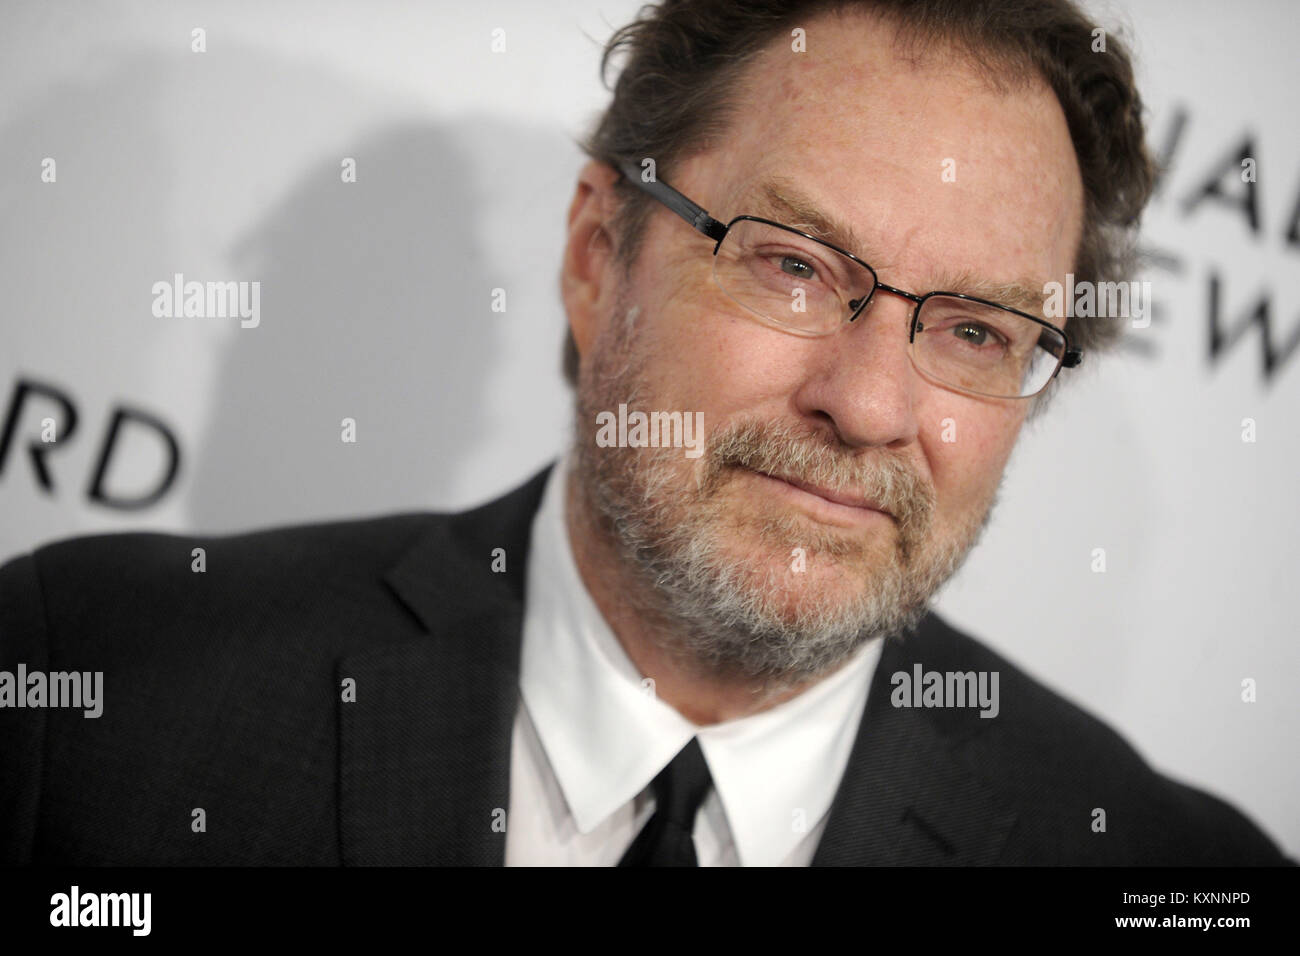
x: 863, y: 380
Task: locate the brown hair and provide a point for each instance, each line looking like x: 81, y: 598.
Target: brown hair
x: 677, y: 91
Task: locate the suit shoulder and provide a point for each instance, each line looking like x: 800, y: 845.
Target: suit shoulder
x: 284, y: 583
x: 146, y: 551
x: 1060, y: 764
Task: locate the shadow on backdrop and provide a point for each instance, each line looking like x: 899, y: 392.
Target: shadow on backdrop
x: 375, y: 294
x: 375, y: 307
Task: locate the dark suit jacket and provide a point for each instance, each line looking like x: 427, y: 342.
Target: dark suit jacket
x: 222, y: 692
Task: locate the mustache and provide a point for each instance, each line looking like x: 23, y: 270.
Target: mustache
x: 813, y: 457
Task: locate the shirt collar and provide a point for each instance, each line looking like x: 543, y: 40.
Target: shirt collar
x: 606, y: 735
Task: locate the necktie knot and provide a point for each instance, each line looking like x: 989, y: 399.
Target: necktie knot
x: 679, y: 790
x: 680, y: 787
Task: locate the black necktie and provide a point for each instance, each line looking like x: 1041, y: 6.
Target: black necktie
x: 679, y: 790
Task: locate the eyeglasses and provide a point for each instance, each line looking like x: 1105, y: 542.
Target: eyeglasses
x: 804, y: 285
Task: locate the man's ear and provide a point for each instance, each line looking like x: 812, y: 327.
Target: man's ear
x: 588, y: 281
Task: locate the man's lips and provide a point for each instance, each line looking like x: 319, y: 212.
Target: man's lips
x: 845, y: 499
x: 838, y: 497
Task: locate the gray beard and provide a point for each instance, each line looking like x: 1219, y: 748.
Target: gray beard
x: 753, y: 620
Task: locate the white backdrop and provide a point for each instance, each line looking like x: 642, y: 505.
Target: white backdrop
x: 225, y: 165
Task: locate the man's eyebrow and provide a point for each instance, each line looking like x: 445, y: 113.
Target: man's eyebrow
x: 784, y: 202
x: 1023, y: 294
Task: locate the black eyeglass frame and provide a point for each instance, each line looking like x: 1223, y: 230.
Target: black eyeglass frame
x: 700, y: 220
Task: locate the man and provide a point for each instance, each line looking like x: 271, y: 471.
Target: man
x: 668, y: 650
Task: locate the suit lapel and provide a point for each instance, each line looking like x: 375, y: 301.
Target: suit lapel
x: 424, y: 750
x: 905, y: 798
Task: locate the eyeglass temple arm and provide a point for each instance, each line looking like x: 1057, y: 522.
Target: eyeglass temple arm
x: 699, y: 220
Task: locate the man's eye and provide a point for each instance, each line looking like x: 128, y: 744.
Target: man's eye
x: 972, y: 333
x: 797, y: 268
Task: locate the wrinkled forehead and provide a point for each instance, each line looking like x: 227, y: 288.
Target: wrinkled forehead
x: 927, y: 164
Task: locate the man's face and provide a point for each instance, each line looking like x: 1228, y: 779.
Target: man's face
x: 763, y: 575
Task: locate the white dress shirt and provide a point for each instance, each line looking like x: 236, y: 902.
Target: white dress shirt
x: 589, y: 737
